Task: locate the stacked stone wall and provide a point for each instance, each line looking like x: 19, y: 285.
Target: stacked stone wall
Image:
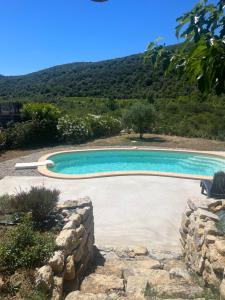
x: 66, y: 268
x: 203, y: 240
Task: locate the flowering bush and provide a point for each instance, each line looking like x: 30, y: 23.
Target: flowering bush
x: 73, y: 130
x: 104, y: 125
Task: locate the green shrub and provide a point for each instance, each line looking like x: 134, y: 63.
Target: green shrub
x: 73, y: 130
x: 40, y: 111
x: 30, y: 133
x: 6, y: 204
x: 45, y: 132
x: 23, y: 247
x: 41, y: 202
x: 2, y: 139
x: 38, y: 129
x: 20, y: 135
x: 104, y: 125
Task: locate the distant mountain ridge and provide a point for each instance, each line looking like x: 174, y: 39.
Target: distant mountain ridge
x: 126, y: 77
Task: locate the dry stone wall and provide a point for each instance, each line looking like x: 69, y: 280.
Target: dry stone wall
x: 203, y: 240
x: 66, y: 268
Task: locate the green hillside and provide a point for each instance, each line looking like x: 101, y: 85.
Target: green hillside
x: 126, y: 77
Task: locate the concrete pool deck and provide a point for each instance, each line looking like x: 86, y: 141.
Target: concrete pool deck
x: 129, y: 210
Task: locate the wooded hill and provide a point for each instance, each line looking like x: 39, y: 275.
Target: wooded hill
x: 127, y: 77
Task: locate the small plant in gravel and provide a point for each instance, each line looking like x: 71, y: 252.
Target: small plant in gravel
x: 150, y: 293
x: 208, y: 293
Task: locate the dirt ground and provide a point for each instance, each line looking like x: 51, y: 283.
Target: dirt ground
x: 151, y: 140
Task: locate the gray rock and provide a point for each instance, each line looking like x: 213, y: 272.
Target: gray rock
x: 68, y: 204
x: 84, y: 202
x: 83, y: 212
x: 57, y: 292
x: 179, y: 273
x: 67, y: 240
x: 70, y: 268
x: 44, y: 279
x: 98, y: 283
x: 204, y: 214
x: 57, y: 261
x: 220, y: 246
x: 139, y: 250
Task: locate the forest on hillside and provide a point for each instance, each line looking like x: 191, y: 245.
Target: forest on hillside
x: 122, y: 78
x: 111, y: 87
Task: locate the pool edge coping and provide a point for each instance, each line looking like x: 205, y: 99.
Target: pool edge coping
x: 43, y: 170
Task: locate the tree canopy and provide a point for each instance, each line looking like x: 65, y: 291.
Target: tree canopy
x: 140, y: 117
x: 202, y: 55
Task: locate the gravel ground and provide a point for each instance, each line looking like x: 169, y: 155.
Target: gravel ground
x: 7, y: 168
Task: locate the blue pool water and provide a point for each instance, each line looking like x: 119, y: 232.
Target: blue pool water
x: 90, y: 162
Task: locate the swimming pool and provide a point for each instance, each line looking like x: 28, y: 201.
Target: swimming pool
x: 96, y: 163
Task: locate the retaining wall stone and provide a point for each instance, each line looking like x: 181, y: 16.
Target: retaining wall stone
x: 66, y: 268
x: 203, y: 240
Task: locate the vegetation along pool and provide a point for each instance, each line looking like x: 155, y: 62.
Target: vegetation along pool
x: 106, y: 161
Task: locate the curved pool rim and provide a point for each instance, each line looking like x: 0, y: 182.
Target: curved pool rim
x: 43, y: 170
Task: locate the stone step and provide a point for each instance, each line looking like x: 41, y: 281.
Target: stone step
x: 122, y: 276
x: 89, y: 296
x: 100, y: 283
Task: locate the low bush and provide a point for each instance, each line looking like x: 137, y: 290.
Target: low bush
x: 6, y: 204
x: 20, y: 135
x: 73, y: 130
x: 44, y: 117
x: 23, y: 247
x: 2, y: 139
x: 103, y: 125
x: 41, y: 202
x: 30, y: 133
x: 45, y: 132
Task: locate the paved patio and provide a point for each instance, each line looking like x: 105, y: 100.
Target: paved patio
x: 128, y: 210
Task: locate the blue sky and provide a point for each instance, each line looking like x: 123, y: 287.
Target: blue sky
x: 43, y: 33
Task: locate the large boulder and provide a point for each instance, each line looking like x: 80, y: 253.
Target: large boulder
x: 67, y: 240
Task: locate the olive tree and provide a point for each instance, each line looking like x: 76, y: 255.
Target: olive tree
x: 140, y: 117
